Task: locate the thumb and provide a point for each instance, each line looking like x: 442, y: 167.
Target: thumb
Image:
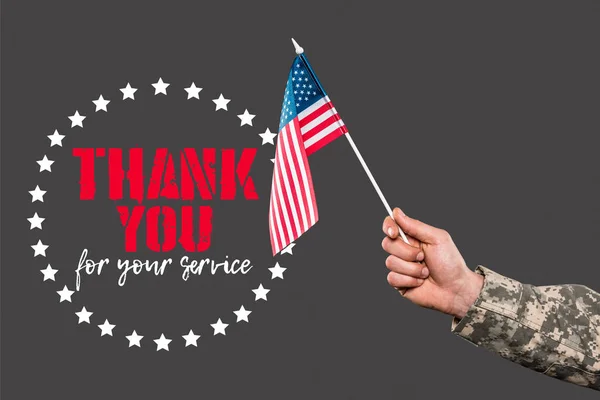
x: 417, y: 229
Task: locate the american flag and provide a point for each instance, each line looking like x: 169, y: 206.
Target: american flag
x: 308, y: 122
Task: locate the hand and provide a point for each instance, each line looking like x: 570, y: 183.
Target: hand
x: 429, y: 271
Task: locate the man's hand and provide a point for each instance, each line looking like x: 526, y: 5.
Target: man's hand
x: 429, y: 271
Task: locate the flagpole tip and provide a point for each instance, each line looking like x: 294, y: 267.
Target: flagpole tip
x: 299, y: 50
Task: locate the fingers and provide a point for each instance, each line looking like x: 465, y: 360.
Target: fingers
x: 390, y: 228
x: 419, y: 230
x: 400, y: 281
x: 400, y: 266
x: 400, y: 249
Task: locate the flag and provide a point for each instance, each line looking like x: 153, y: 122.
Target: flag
x: 308, y: 122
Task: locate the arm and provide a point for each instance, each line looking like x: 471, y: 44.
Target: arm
x: 554, y: 330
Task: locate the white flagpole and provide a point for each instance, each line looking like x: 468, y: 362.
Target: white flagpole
x: 299, y: 51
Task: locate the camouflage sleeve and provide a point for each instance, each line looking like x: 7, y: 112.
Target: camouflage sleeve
x: 554, y: 330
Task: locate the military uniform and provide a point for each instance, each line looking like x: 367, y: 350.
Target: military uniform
x: 554, y: 330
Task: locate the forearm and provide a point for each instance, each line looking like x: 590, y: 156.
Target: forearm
x: 554, y: 330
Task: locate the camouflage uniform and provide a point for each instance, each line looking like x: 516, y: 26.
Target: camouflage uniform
x: 554, y: 330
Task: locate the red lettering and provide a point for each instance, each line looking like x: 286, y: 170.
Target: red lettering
x: 131, y: 224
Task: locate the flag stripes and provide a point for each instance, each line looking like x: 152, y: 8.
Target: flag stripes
x: 320, y: 124
x: 293, y: 207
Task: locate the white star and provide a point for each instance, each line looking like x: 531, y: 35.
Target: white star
x: 37, y: 194
x: 246, y: 118
x: 160, y: 87
x: 273, y: 160
x: 162, y: 342
x: 77, y: 119
x: 193, y: 91
x: 134, y: 339
x: 106, y: 328
x: 219, y: 327
x: 49, y: 273
x: 277, y: 271
x: 261, y: 293
x: 84, y: 315
x: 242, y: 314
x: 65, y: 294
x: 39, y: 249
x: 267, y: 137
x: 101, y: 103
x: 56, y: 139
x: 191, y: 339
x: 288, y: 249
x: 45, y: 164
x: 128, y: 92
x: 221, y: 103
x: 36, y: 221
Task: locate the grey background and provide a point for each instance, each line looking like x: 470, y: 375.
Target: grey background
x: 478, y: 117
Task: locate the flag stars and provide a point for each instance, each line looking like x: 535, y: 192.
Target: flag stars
x: 246, y: 118
x: 160, y: 87
x: 77, y: 119
x: 56, y: 139
x: 128, y: 92
x: 45, y: 164
x: 221, y: 103
x: 101, y: 103
x: 35, y: 221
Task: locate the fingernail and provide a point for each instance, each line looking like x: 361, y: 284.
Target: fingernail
x: 390, y: 231
x: 424, y: 272
x: 420, y: 256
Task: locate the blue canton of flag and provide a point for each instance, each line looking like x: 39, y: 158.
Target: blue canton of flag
x: 301, y: 92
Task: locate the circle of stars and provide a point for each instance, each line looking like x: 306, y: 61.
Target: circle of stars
x: 84, y: 316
